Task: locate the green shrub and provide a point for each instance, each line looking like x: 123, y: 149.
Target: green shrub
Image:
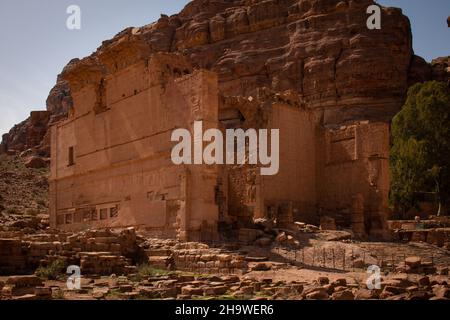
x: 145, y: 270
x: 420, y: 153
x: 51, y: 272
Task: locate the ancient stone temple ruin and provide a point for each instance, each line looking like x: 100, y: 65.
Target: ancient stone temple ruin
x: 309, y: 68
x: 111, y: 158
x: 112, y: 167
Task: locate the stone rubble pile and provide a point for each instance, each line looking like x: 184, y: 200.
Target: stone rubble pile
x: 435, y: 231
x: 21, y: 286
x: 111, y: 268
x: 266, y: 233
x: 185, y: 286
x: 194, y: 257
x: 415, y: 265
x: 95, y: 251
x: 105, y: 263
x: 396, y: 287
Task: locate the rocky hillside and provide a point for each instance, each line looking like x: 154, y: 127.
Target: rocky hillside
x: 320, y: 49
x: 23, y: 191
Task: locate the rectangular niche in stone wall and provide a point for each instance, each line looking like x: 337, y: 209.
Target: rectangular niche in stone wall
x: 341, y: 145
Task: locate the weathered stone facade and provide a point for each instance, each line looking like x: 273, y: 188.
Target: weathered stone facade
x: 111, y: 164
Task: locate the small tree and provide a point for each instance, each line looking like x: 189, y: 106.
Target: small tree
x: 420, y: 154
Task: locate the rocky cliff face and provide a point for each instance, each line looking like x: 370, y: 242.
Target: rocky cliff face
x: 32, y: 137
x: 28, y: 135
x: 321, y: 49
x: 441, y: 69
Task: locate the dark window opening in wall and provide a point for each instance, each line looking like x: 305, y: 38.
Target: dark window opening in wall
x: 94, y: 215
x: 103, y: 214
x: 100, y: 105
x: 71, y: 156
x: 114, y: 212
x: 68, y: 218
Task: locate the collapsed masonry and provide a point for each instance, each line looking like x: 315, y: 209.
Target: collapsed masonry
x: 104, y: 252
x: 111, y: 158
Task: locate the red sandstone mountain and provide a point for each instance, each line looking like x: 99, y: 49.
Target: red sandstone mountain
x: 322, y: 50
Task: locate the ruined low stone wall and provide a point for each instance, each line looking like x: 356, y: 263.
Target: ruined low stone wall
x: 435, y: 231
x: 208, y: 261
x: 96, y: 252
x: 439, y: 236
x: 105, y: 252
x: 194, y: 257
x: 105, y: 263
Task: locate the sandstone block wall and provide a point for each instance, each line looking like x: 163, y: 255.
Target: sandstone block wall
x: 292, y: 194
x: 99, y: 252
x: 354, y: 175
x: 194, y: 257
x: 111, y: 164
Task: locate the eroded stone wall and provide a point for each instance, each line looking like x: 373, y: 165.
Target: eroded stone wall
x: 354, y: 177
x: 111, y: 160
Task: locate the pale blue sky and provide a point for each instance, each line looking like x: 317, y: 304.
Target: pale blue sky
x: 36, y: 45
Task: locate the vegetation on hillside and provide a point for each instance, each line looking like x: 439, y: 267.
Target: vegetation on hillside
x: 420, y: 154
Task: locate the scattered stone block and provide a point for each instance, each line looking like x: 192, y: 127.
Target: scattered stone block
x: 36, y: 162
x: 413, y: 262
x: 340, y: 282
x: 190, y: 291
x: 323, y: 280
x: 282, y: 237
x: 441, y: 291
x: 261, y: 266
x: 24, y: 281
x: 419, y: 295
x: 443, y: 271
x: 43, y: 292
x: 263, y: 242
x: 318, y: 294
x: 343, y: 295
x: 215, y: 291
x: 423, y: 281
